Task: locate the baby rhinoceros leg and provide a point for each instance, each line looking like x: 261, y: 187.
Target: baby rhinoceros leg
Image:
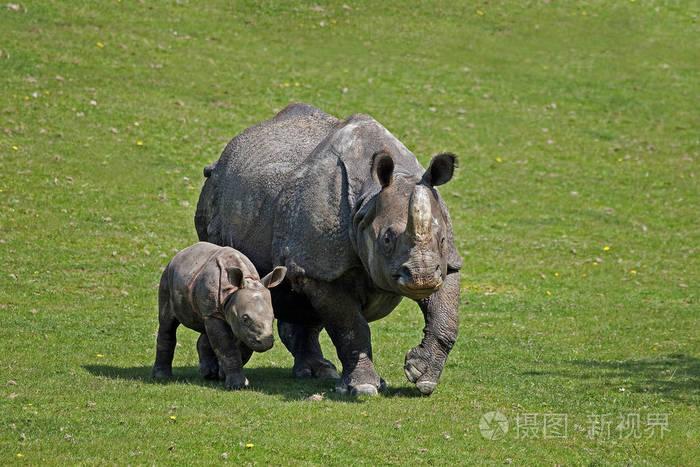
x: 225, y: 346
x: 208, y: 363
x: 246, y: 353
x: 165, y: 343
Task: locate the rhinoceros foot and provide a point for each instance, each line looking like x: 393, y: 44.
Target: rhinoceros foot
x: 420, y: 369
x: 162, y: 373
x: 363, y: 389
x: 315, y: 367
x: 236, y: 381
x: 210, y: 369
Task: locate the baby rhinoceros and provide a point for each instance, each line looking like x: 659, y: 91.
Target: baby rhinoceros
x: 218, y: 292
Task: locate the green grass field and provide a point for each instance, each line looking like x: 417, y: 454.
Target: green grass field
x: 575, y: 209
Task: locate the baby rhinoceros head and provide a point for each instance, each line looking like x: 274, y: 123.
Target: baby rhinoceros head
x: 249, y: 309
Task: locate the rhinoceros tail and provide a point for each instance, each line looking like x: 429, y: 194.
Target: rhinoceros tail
x: 209, y: 169
x: 206, y: 209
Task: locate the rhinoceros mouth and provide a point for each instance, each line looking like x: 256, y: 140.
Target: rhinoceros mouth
x: 417, y: 291
x: 259, y: 344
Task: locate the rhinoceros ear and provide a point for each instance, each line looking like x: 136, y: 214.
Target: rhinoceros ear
x: 441, y: 169
x: 275, y: 277
x: 235, y: 277
x: 382, y: 168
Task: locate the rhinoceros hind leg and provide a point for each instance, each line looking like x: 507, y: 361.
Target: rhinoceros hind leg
x: 165, y: 346
x: 302, y: 341
x: 208, y: 363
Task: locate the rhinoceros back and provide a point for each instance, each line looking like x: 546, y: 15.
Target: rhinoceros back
x: 236, y: 206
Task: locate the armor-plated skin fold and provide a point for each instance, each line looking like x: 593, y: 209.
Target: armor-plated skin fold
x: 358, y: 223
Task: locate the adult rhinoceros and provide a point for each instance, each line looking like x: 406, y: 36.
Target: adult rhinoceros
x: 359, y: 225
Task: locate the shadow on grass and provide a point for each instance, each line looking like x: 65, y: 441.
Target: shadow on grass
x: 266, y: 380
x: 676, y: 376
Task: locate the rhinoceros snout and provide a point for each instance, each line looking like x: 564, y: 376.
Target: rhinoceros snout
x: 261, y: 344
x: 418, y: 282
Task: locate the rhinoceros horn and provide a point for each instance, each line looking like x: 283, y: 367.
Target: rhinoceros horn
x: 420, y: 216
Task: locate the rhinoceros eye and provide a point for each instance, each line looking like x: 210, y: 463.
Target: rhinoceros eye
x: 388, y: 239
x: 246, y: 319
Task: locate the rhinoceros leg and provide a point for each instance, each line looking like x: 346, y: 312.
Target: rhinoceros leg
x: 302, y: 341
x: 167, y: 337
x: 225, y: 347
x: 349, y: 331
x: 246, y: 353
x: 424, y: 363
x: 352, y: 340
x: 208, y: 363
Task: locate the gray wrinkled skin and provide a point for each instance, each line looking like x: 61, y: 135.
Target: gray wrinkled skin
x: 216, y: 291
x: 359, y: 225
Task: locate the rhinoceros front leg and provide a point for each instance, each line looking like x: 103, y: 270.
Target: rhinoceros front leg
x: 349, y: 331
x: 226, y: 348
x: 302, y: 341
x: 208, y: 363
x: 424, y: 363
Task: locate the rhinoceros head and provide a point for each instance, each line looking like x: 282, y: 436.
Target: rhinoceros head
x: 249, y: 309
x: 401, y: 237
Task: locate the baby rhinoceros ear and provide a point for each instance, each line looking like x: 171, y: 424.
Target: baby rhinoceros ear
x: 235, y: 277
x: 275, y: 277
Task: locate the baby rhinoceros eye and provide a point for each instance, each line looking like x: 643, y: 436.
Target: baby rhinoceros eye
x: 245, y: 319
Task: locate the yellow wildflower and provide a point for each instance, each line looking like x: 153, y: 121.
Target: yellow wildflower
x: 606, y: 248
x: 139, y: 143
x: 498, y: 159
x: 19, y: 454
x: 173, y: 417
x: 99, y: 355
x: 249, y: 445
x: 633, y: 271
x: 549, y: 293
x: 15, y: 148
x: 100, y: 45
x: 479, y: 12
